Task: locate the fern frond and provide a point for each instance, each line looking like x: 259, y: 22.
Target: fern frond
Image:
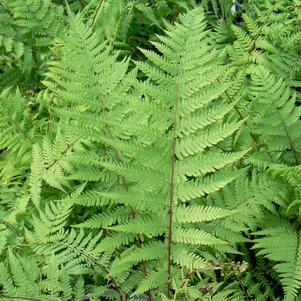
x: 196, y: 214
x: 182, y: 115
x: 275, y: 105
x: 152, y: 281
x: 281, y: 244
x: 37, y: 169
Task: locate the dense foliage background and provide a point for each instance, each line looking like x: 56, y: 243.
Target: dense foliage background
x: 150, y: 150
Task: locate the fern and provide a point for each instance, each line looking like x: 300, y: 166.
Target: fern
x: 282, y: 245
x: 17, y: 133
x: 285, y: 121
x: 137, y: 170
x: 29, y: 29
x: 125, y: 23
x: 22, y: 280
x: 155, y: 182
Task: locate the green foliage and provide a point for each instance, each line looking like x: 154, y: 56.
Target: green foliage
x: 28, y: 28
x: 150, y: 150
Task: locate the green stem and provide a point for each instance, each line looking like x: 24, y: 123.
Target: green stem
x: 96, y: 13
x: 171, y: 192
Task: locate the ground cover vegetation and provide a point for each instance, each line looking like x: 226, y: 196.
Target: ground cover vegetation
x: 150, y: 150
